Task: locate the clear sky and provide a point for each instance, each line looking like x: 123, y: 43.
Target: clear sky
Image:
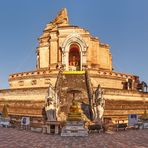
x: 123, y: 24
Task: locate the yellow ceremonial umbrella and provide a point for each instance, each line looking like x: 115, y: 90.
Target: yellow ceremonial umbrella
x: 145, y: 115
x: 5, y: 111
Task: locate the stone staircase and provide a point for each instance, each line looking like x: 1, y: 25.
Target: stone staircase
x: 73, y: 81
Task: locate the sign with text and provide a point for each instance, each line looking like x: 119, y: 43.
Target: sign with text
x: 132, y: 119
x: 25, y: 121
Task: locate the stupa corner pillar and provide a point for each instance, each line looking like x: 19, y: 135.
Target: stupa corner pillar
x: 53, y: 48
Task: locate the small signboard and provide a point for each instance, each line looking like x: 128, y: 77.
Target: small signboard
x: 132, y: 119
x: 145, y: 125
x: 25, y: 121
x: 5, y: 122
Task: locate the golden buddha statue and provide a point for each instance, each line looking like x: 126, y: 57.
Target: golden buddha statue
x: 75, y: 112
x: 74, y: 107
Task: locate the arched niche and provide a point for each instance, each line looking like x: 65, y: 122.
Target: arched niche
x: 74, y: 57
x: 74, y: 43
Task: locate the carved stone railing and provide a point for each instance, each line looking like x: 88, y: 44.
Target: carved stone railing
x: 30, y: 73
x: 57, y: 85
x: 89, y: 88
x: 111, y: 91
x: 113, y: 74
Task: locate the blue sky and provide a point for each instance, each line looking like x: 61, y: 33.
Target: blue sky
x: 123, y: 24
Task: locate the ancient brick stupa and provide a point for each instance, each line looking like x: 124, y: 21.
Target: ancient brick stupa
x: 68, y: 56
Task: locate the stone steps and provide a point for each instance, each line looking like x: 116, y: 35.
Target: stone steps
x: 72, y: 81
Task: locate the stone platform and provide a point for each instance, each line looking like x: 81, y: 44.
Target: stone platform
x: 15, y: 138
x: 51, y: 127
x: 74, y: 128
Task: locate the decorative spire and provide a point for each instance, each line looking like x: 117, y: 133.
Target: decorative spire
x: 61, y: 18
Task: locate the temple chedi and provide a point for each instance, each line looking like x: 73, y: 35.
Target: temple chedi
x: 69, y: 57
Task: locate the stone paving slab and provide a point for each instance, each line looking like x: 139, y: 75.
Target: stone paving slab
x: 15, y: 138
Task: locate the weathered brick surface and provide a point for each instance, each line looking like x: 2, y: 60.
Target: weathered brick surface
x: 25, y: 102
x: 23, y: 108
x: 72, y: 81
x: 14, y: 138
x: 119, y: 109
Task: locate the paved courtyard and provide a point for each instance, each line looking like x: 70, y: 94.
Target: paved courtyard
x: 15, y: 138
